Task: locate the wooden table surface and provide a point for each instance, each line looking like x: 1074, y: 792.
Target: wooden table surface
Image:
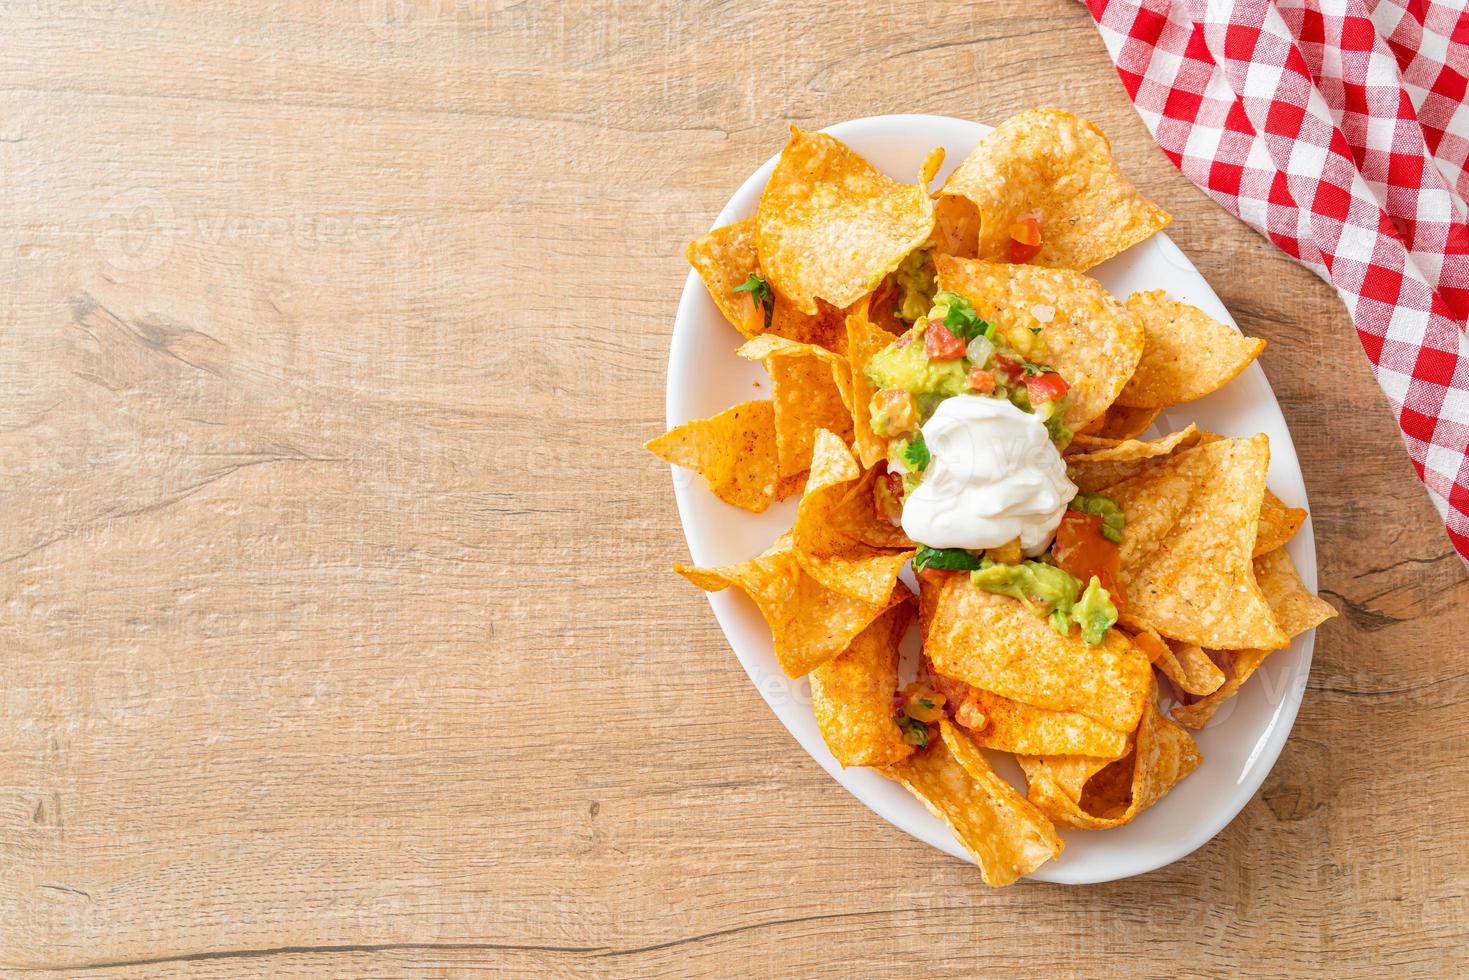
x: 339, y: 636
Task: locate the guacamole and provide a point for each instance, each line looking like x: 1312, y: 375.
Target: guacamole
x: 1109, y: 510
x: 1094, y: 612
x: 1042, y: 588
x: 916, y: 285
x: 971, y: 357
x: 1052, y: 592
x: 907, y: 366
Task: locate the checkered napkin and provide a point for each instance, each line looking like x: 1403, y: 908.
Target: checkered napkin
x: 1339, y: 130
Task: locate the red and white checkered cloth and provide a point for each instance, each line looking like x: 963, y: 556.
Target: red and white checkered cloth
x: 1339, y: 130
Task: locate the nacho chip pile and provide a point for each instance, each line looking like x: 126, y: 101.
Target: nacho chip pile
x: 817, y: 284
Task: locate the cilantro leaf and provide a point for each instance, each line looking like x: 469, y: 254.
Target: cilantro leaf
x: 1114, y: 519
x: 916, y: 454
x: 1032, y: 368
x: 759, y: 291
x: 946, y: 559
x: 914, y: 732
x: 960, y: 318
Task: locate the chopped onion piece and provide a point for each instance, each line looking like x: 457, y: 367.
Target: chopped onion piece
x: 1043, y: 313
x: 979, y: 350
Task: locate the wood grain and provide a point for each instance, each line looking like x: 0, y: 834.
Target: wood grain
x: 338, y: 633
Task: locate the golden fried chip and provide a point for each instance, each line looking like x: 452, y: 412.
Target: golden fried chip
x: 1185, y: 555
x: 1063, y: 776
x: 1278, y: 524
x: 1187, y: 667
x: 809, y: 623
x: 1191, y: 669
x: 1090, y: 338
x: 932, y: 164
x: 1186, y: 353
x: 955, y: 226
x: 830, y: 225
x: 1162, y: 756
x: 852, y: 695
x: 1014, y: 726
x: 856, y: 517
x: 827, y: 553
x: 725, y: 258
x: 812, y: 389
x: 1007, y: 836
x: 1296, y: 609
x: 1058, y: 168
x: 735, y: 451
x: 1121, y: 422
x: 864, y: 339
x: 993, y: 642
x: 1094, y: 473
x: 1242, y: 666
x: 1099, y: 450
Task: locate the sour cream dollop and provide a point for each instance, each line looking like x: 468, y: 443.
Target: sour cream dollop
x: 993, y: 475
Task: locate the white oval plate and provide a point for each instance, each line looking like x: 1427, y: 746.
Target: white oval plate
x: 1246, y: 735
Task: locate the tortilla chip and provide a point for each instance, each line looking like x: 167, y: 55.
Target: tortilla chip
x: 1185, y: 555
x: 790, y: 486
x: 1186, y: 353
x: 1065, y: 775
x: 1099, y: 450
x: 1197, y: 714
x: 1121, y: 422
x: 1095, y: 475
x: 933, y: 162
x: 809, y: 623
x: 724, y: 259
x: 1093, y: 472
x: 852, y: 695
x: 1163, y: 755
x: 856, y: 517
x: 956, y: 226
x: 1007, y: 836
x: 1296, y: 609
x: 993, y: 642
x: 1278, y: 524
x: 1190, y: 668
x: 830, y: 225
x: 864, y: 339
x: 1014, y: 726
x: 828, y: 554
x: 1091, y: 338
x: 735, y: 451
x: 1059, y: 167
x: 812, y: 389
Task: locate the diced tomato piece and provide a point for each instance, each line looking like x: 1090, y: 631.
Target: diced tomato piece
x: 1025, y: 238
x: 940, y: 344
x: 1046, y: 387
x: 754, y: 320
x: 1081, y: 550
x: 895, y: 484
x: 1008, y: 367
x: 981, y: 380
x: 887, y: 501
x: 935, y: 576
